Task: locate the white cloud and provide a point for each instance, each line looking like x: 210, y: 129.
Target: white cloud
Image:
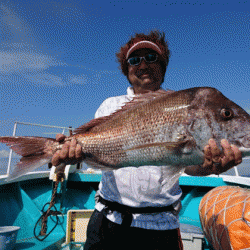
x: 44, y: 78
x: 5, y: 153
x: 79, y: 79
x: 14, y: 28
x: 15, y: 62
x: 20, y: 56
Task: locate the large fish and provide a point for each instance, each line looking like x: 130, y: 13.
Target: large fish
x: 157, y: 128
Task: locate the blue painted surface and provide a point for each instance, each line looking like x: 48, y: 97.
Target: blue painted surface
x: 22, y: 203
x: 19, y: 209
x: 190, y: 203
x: 204, y: 181
x: 85, y: 177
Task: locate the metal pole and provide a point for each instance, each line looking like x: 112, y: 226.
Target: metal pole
x: 70, y: 131
x: 40, y: 125
x: 10, y: 156
x: 236, y: 171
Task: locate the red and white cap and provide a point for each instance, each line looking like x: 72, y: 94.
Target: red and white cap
x: 144, y: 45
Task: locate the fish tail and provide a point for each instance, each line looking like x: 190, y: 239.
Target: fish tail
x: 35, y: 152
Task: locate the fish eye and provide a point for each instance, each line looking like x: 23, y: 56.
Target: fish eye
x: 226, y: 113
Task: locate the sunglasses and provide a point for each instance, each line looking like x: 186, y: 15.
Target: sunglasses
x: 149, y: 58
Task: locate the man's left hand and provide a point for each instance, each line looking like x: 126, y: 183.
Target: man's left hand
x: 217, y: 162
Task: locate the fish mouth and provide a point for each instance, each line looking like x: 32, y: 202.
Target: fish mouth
x: 243, y: 140
x: 243, y: 143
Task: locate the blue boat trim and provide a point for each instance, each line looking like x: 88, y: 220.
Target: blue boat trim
x: 204, y: 181
x: 85, y: 177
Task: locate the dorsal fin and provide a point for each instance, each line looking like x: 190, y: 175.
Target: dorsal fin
x: 86, y: 127
x: 142, y: 98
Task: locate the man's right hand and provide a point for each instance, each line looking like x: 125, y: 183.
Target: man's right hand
x: 71, y: 150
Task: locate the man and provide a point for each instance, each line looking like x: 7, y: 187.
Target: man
x: 134, y: 210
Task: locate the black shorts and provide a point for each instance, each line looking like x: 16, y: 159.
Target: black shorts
x: 105, y: 234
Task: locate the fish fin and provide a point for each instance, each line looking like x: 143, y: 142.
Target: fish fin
x: 26, y: 145
x: 34, y: 152
x: 150, y: 95
x: 88, y: 126
x: 142, y: 98
x: 170, y: 175
x: 28, y: 164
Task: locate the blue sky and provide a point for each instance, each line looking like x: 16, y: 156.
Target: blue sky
x: 57, y: 58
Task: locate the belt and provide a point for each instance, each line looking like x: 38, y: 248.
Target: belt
x: 127, y: 211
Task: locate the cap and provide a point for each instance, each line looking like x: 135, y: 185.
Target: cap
x: 144, y: 45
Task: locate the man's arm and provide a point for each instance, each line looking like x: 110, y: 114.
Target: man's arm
x: 216, y: 162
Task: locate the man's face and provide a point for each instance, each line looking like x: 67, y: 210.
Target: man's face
x: 145, y: 76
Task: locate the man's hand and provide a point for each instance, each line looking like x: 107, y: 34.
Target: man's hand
x: 70, y: 150
x: 217, y: 162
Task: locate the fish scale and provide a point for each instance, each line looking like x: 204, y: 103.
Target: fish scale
x: 148, y: 128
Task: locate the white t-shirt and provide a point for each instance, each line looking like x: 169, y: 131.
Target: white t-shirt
x: 137, y: 186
